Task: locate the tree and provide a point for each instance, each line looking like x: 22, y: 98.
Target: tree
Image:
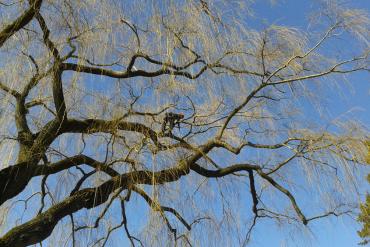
x: 86, y: 86
x: 364, y: 216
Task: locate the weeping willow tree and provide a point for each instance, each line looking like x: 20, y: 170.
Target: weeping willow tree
x: 364, y: 216
x: 173, y: 122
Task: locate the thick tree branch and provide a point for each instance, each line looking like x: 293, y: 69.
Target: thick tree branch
x: 46, y: 34
x: 223, y: 171
x: 109, y: 126
x: 20, y: 22
x: 41, y: 226
x: 58, y: 94
x: 72, y: 162
x: 14, y: 179
x: 129, y: 74
x: 27, y: 168
x: 246, y: 167
x: 253, y: 191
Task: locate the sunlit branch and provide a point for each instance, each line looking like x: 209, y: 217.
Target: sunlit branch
x: 34, y: 103
x: 10, y: 91
x: 332, y: 70
x: 238, y: 108
x: 317, y: 45
x: 236, y: 150
x: 134, y: 29
x: 20, y: 22
x: 46, y: 34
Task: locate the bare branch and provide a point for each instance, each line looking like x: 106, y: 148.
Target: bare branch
x: 20, y: 22
x: 156, y: 206
x: 9, y: 90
